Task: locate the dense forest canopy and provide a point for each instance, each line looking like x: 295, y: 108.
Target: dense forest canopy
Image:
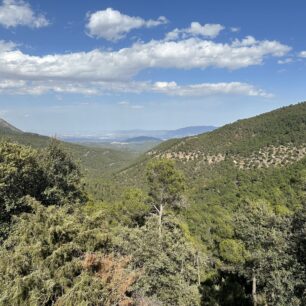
x: 166, y: 230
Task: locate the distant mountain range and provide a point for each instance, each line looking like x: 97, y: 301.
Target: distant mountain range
x: 138, y: 135
x: 141, y: 139
x: 188, y: 131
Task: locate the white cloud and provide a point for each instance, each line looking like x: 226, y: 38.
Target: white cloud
x: 245, y: 42
x: 11, y: 84
x: 205, y: 89
x: 196, y: 29
x: 6, y: 46
x: 15, y: 13
x: 22, y: 87
x: 235, y: 29
x: 207, y: 30
x: 285, y: 61
x: 98, y: 88
x: 165, y: 86
x: 124, y: 103
x: 302, y: 54
x: 113, y: 25
x: 123, y: 64
x: 100, y: 71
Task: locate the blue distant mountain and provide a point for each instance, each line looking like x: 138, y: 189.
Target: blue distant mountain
x: 141, y: 139
x: 139, y: 135
x: 188, y: 131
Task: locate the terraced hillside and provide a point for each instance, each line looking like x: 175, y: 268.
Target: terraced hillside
x: 274, y: 139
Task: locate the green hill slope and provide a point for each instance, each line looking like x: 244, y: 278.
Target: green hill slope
x: 261, y: 160
x: 258, y: 159
x: 278, y: 128
x: 95, y: 162
x: 7, y: 127
x: 276, y: 138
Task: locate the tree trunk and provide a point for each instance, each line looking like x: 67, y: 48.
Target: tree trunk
x: 160, y: 215
x: 254, y: 296
x: 198, y: 269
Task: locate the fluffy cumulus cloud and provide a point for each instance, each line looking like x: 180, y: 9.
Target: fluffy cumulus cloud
x: 126, y: 63
x: 113, y: 25
x: 196, y: 29
x: 207, y: 30
x: 15, y: 13
x: 98, y: 71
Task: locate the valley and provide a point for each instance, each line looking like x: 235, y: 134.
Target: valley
x: 231, y: 175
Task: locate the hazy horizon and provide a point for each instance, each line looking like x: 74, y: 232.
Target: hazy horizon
x: 121, y: 65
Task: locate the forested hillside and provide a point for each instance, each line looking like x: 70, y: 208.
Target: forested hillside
x: 94, y: 161
x: 216, y: 219
x: 273, y: 139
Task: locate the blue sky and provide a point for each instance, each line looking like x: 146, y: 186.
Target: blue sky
x: 87, y: 66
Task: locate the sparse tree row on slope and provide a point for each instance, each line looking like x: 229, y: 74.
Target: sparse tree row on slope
x: 59, y: 248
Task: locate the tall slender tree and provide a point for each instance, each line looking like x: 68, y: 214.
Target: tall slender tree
x: 166, y: 187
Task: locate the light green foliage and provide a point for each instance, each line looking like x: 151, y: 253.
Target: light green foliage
x: 232, y: 251
x: 130, y: 210
x: 166, y: 184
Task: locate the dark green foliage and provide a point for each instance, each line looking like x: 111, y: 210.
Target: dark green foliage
x: 226, y: 288
x: 49, y: 176
x: 271, y: 259
x: 20, y: 175
x: 169, y: 265
x: 42, y: 263
x: 299, y: 242
x: 61, y: 176
x: 65, y: 258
